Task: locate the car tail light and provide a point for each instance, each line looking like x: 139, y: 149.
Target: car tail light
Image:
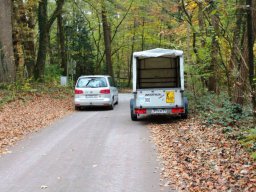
x: 105, y: 91
x: 177, y: 110
x: 78, y: 91
x: 140, y: 111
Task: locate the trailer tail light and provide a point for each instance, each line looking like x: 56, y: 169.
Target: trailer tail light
x: 140, y: 111
x: 78, y: 91
x: 177, y: 110
x: 105, y: 91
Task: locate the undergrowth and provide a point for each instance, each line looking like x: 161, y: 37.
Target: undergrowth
x: 21, y: 90
x: 236, y: 121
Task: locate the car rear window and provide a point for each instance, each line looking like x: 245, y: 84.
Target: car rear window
x: 92, y: 82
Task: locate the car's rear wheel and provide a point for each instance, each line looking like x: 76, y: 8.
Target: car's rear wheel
x: 111, y: 107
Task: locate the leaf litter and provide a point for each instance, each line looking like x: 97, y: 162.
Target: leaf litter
x: 200, y: 158
x: 29, y: 114
x: 195, y: 157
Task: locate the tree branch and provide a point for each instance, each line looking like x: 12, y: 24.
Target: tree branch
x: 56, y: 12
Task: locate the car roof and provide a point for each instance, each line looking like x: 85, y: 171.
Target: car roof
x: 94, y: 76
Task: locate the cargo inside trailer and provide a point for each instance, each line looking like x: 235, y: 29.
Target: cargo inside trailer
x: 158, y: 72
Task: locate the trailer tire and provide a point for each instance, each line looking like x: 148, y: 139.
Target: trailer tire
x: 185, y: 103
x: 133, y: 115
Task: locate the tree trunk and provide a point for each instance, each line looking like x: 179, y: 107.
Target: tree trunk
x: 131, y: 57
x: 212, y: 81
x: 44, y: 26
x: 23, y: 37
x: 201, y: 23
x: 242, y: 82
x: 18, y: 35
x: 107, y: 40
x: 43, y: 40
x: 7, y: 64
x: 29, y: 43
x: 143, y: 35
x: 236, y: 52
x: 251, y: 38
x: 63, y: 54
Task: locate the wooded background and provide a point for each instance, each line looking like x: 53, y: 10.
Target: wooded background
x: 41, y: 40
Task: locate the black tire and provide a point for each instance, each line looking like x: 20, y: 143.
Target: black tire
x: 111, y: 107
x: 134, y: 117
x: 116, y: 102
x: 185, y: 102
x: 77, y: 108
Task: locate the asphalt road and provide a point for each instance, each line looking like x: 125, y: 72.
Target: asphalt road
x: 88, y: 151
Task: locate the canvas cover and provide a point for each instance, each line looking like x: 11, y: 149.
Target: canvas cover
x: 154, y: 53
x: 158, y: 52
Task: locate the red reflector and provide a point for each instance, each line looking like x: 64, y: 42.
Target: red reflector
x: 177, y: 110
x: 140, y: 111
x: 105, y: 91
x: 77, y: 91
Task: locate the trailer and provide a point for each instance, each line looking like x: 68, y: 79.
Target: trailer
x: 158, y: 83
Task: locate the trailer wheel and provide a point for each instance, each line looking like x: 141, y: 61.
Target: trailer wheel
x: 133, y: 115
x: 185, y: 102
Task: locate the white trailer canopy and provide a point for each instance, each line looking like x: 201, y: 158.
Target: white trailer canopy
x: 158, y: 52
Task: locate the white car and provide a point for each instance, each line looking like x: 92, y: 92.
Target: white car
x: 95, y: 90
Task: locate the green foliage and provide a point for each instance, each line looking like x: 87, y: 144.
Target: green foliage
x: 253, y: 155
x: 237, y: 122
x: 9, y: 92
x: 6, y: 96
x: 249, y: 141
x: 214, y: 109
x: 79, y: 46
x: 52, y: 74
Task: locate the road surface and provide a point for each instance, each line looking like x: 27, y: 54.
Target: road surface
x: 88, y: 151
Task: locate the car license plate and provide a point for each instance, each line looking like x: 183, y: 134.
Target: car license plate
x: 91, y: 96
x: 158, y: 111
x: 170, y: 97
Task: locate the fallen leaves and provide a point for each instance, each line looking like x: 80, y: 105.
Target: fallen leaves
x: 198, y: 158
x: 24, y: 116
x: 44, y: 187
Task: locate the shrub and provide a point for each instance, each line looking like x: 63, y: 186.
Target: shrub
x: 218, y: 109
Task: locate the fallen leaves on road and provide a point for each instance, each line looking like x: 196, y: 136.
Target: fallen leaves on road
x: 27, y: 115
x: 44, y: 187
x: 199, y: 158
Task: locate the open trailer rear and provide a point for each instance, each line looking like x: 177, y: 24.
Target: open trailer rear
x: 158, y: 83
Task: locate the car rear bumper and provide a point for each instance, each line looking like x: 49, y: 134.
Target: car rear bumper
x: 92, y: 102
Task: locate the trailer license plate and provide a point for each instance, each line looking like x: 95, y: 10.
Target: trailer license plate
x: 159, y: 111
x: 170, y: 97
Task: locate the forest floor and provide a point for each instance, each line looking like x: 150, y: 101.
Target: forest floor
x: 200, y: 158
x: 28, y: 113
x: 195, y: 157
